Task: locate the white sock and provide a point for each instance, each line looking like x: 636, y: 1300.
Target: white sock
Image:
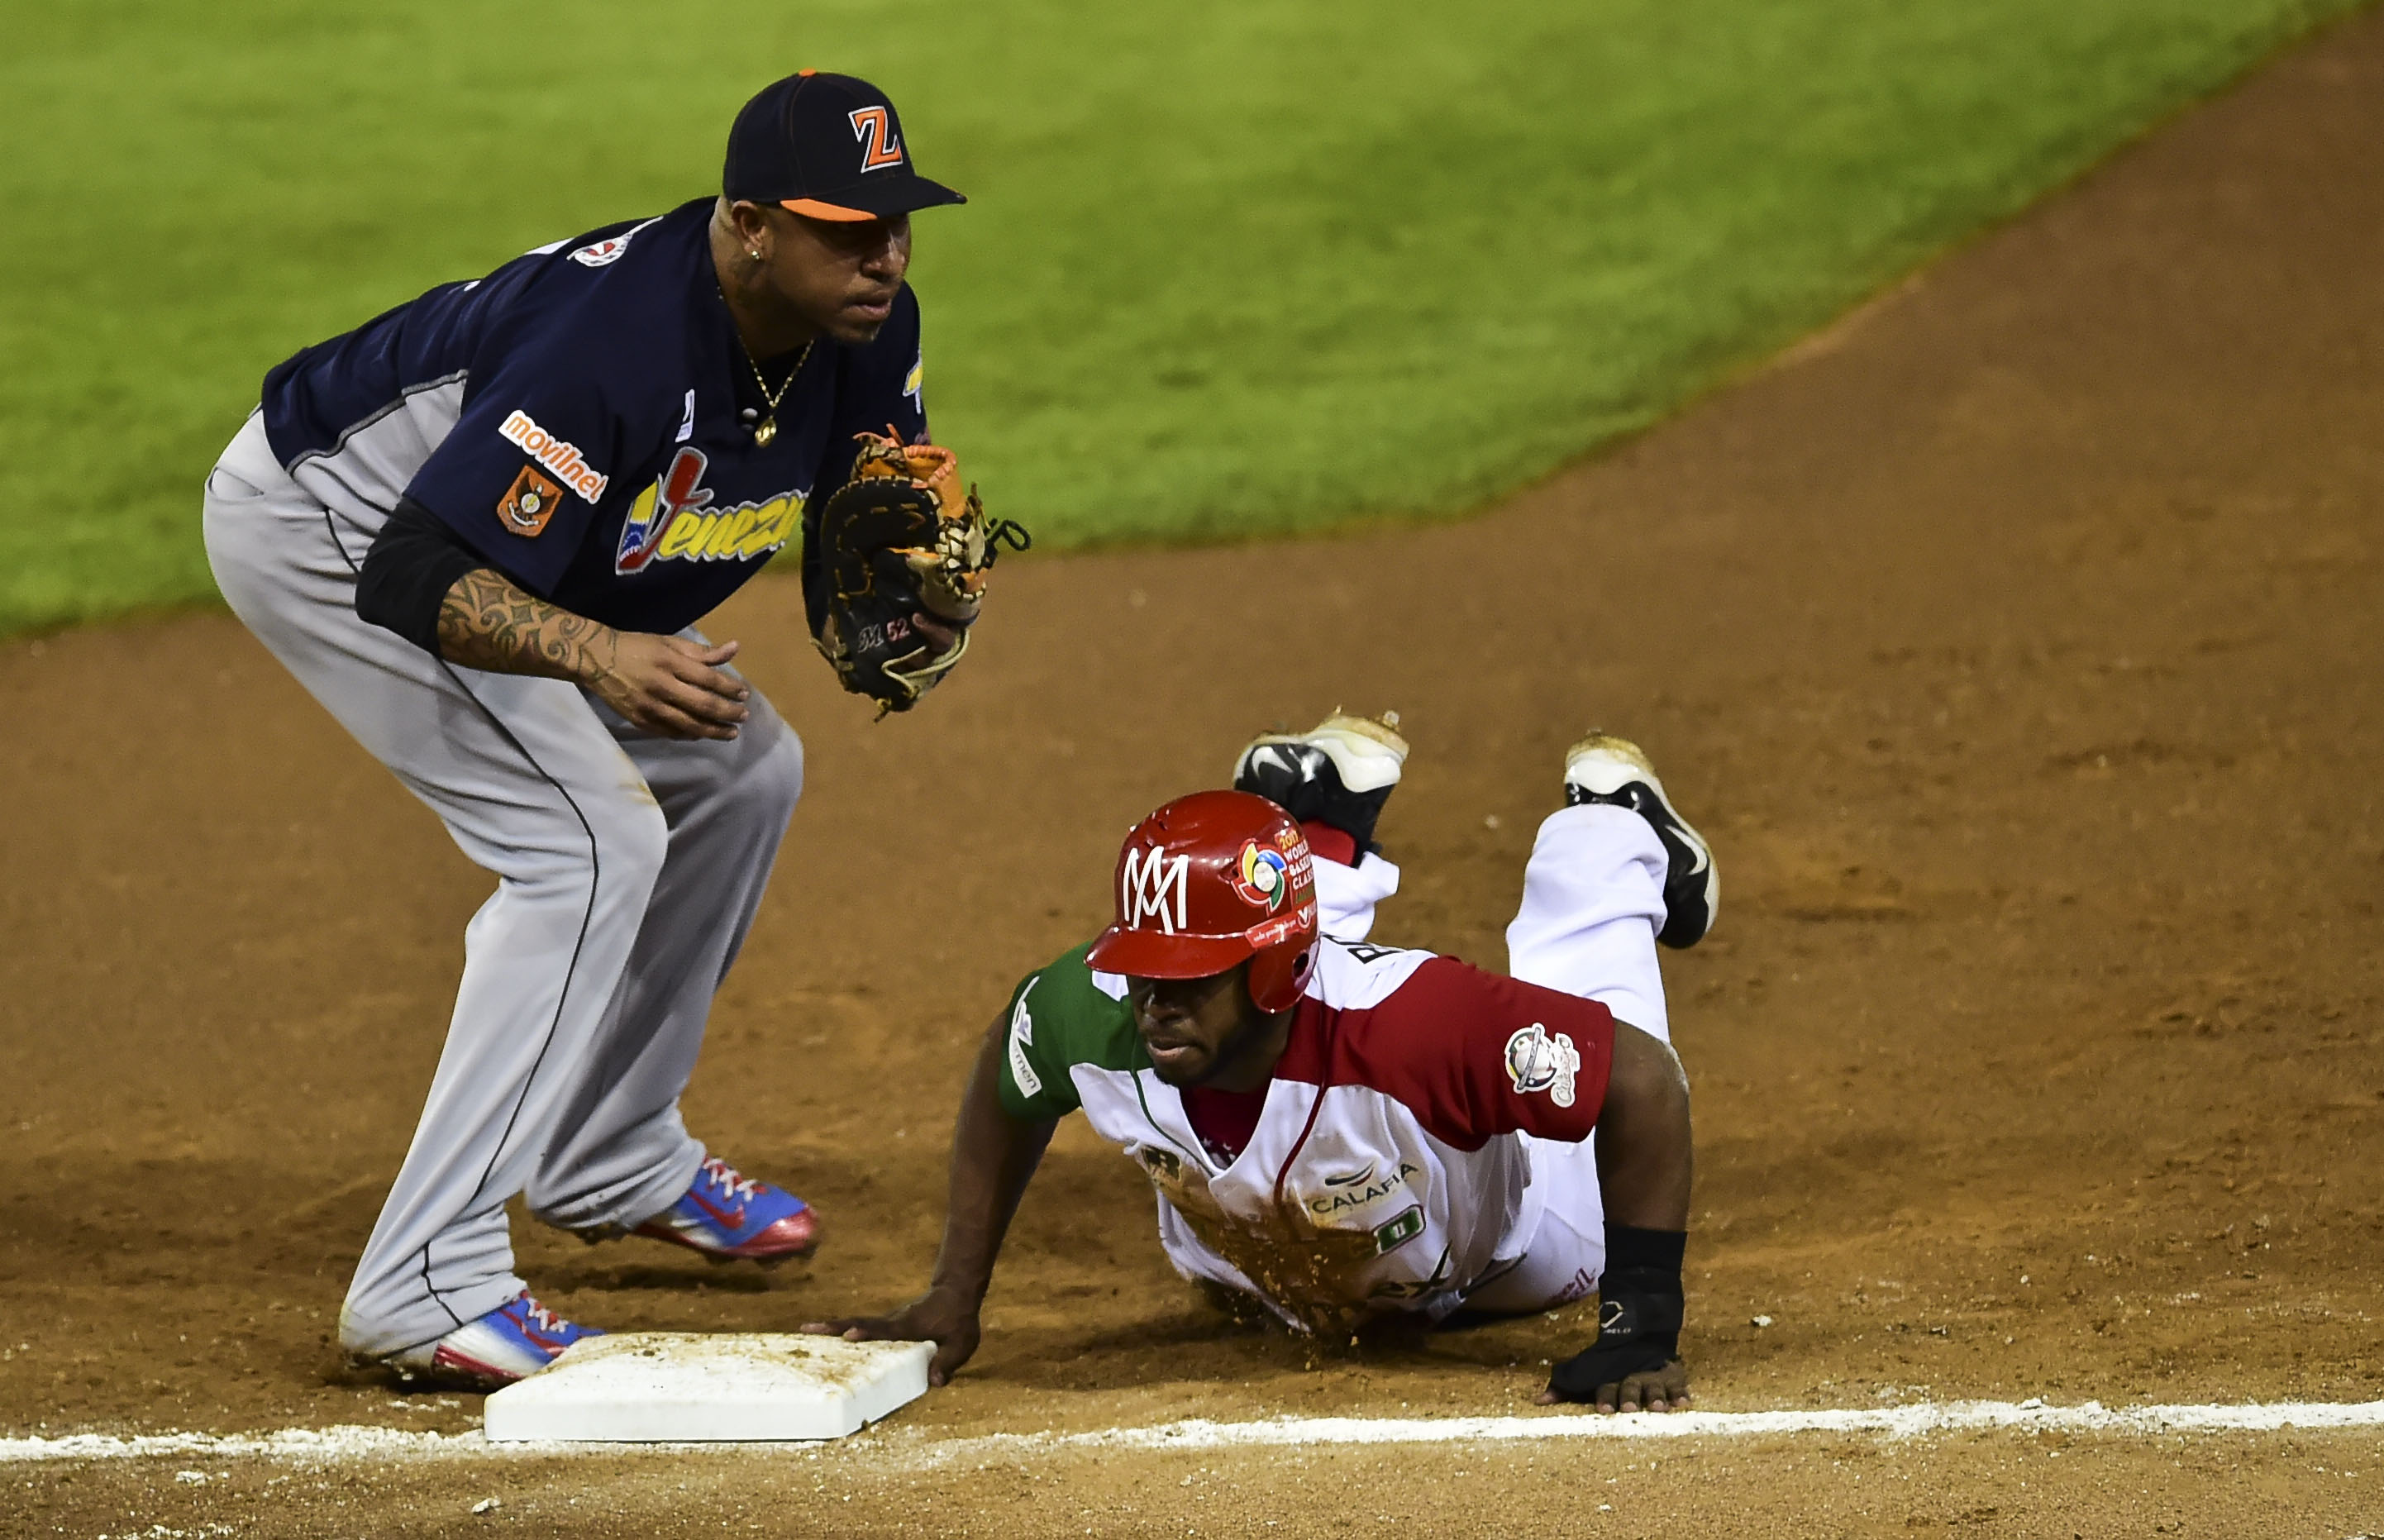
x: 1345, y: 896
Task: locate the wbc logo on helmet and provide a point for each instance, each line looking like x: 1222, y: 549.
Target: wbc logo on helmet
x: 1263, y: 877
x: 1146, y: 881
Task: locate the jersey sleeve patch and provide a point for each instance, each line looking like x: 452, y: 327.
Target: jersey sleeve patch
x: 1538, y: 1062
x: 1061, y: 1017
x: 527, y: 505
x: 604, y: 253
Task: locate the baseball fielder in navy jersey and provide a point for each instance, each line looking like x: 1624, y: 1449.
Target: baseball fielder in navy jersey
x: 1339, y: 1131
x: 480, y: 528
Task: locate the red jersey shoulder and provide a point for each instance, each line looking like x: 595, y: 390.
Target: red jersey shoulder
x: 1472, y: 1054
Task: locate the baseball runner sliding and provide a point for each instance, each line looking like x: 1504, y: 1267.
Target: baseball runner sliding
x: 1338, y: 1130
x: 480, y: 529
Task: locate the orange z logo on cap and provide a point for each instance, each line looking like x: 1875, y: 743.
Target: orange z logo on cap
x: 879, y: 147
x: 528, y: 504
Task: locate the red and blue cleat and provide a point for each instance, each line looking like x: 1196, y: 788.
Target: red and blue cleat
x: 512, y: 1342
x: 726, y: 1216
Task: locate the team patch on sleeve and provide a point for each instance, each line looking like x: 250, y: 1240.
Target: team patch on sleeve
x: 603, y: 253
x: 528, y: 504
x: 1538, y: 1062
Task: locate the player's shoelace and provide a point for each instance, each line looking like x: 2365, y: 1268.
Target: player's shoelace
x: 724, y: 1177
x: 541, y: 1318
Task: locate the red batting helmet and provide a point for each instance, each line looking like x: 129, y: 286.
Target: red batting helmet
x: 1210, y: 879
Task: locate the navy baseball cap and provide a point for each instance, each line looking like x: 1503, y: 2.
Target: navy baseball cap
x: 829, y: 147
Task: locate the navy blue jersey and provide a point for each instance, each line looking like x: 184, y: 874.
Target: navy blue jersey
x: 573, y: 418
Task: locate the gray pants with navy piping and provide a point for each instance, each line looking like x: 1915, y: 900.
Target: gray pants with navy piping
x: 629, y: 869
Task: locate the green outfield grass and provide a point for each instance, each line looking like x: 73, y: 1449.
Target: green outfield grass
x: 1234, y: 268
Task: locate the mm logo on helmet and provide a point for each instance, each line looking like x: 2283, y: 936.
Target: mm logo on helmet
x: 1145, y: 882
x: 1263, y: 877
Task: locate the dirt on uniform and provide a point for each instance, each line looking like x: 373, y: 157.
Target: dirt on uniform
x: 2015, y: 642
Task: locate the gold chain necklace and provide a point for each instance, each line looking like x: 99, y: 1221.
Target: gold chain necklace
x: 767, y: 428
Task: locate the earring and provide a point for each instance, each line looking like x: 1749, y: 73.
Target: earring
x: 751, y: 255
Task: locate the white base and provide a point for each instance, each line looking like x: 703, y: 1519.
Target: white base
x: 694, y: 1387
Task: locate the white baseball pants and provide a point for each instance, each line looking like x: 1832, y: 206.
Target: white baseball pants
x: 629, y: 868
x: 1593, y: 902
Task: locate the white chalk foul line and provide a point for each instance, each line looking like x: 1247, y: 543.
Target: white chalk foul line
x: 1913, y: 1422
x: 344, y: 1442
x: 354, y: 1443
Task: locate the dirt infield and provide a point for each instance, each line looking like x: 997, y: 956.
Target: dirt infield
x: 2014, y: 642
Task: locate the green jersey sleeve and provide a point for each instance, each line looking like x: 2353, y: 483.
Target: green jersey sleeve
x: 1060, y: 1018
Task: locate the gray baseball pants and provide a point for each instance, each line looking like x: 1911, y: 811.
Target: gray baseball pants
x: 629, y: 868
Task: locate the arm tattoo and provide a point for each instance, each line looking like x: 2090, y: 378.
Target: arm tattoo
x: 488, y: 622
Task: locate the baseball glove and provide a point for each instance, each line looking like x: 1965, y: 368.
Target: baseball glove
x: 899, y: 539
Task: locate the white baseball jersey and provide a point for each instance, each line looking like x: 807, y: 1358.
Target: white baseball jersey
x: 1392, y: 1166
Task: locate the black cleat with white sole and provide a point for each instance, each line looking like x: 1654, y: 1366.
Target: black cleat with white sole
x: 1339, y: 772
x: 1615, y: 771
